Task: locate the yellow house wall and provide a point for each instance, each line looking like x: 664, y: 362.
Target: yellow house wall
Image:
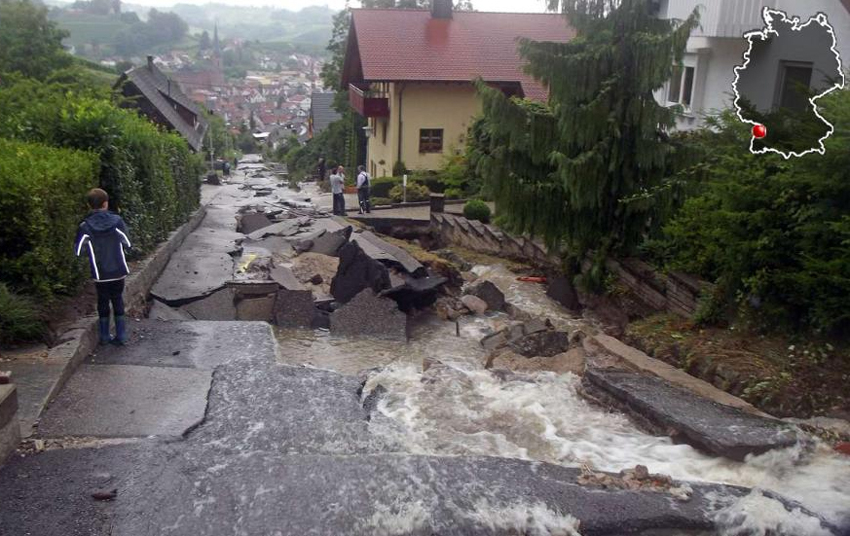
x: 423, y: 105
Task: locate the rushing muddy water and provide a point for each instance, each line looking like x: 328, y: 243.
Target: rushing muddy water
x: 461, y: 408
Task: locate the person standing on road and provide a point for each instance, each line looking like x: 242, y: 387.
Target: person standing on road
x: 103, y: 237
x: 363, y: 186
x: 337, y: 181
x: 320, y: 170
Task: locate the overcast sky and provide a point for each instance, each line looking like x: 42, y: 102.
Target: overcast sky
x: 295, y: 5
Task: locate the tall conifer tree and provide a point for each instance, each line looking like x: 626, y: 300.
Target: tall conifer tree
x: 562, y: 171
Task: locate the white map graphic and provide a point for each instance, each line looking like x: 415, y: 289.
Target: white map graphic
x: 772, y: 18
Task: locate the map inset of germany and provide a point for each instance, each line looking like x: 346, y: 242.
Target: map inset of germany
x: 802, y: 57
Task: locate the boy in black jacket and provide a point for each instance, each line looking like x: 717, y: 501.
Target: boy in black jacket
x: 103, y: 236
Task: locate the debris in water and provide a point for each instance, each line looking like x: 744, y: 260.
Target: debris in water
x: 105, y: 495
x: 638, y: 478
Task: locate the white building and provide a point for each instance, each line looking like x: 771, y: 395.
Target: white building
x: 704, y: 84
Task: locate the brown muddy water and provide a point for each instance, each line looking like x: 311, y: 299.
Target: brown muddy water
x: 463, y: 409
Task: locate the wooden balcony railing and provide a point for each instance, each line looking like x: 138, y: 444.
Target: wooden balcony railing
x: 366, y: 105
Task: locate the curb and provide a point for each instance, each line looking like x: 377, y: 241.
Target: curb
x: 81, y: 337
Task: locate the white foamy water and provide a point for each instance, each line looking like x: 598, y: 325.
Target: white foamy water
x: 459, y: 408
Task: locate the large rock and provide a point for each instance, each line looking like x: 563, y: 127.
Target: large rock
x: 542, y: 343
x: 357, y: 271
x: 372, y: 316
x: 702, y: 423
x: 413, y: 292
x: 252, y: 222
x: 489, y: 292
x: 562, y: 291
x: 474, y: 304
x: 294, y: 309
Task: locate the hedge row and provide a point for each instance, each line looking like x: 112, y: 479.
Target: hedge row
x: 151, y: 176
x: 41, y: 207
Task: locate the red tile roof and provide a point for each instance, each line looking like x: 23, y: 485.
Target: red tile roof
x: 399, y: 45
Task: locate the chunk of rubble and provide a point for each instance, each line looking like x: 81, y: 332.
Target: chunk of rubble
x: 161, y: 311
x: 252, y: 222
x: 413, y: 292
x: 357, y: 271
x: 370, y: 315
x: 326, y: 242
x: 474, y: 304
x: 573, y: 361
x: 487, y: 291
x: 218, y: 306
x: 289, y: 227
x: 260, y: 308
x: 635, y: 479
x: 702, y: 423
x: 562, y: 291
x: 295, y: 308
x: 542, y: 343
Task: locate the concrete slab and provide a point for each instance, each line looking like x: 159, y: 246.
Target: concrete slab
x: 217, y: 306
x: 294, y: 308
x: 128, y: 401
x: 160, y: 311
x: 252, y: 222
x: 405, y: 259
x: 34, y: 379
x: 260, y: 308
x: 369, y: 315
x: 702, y: 423
x: 193, y: 273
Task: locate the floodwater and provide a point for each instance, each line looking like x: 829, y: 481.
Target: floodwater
x: 460, y: 409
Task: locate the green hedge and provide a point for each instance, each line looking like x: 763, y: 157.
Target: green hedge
x: 41, y: 206
x: 475, y: 209
x: 381, y: 186
x: 151, y: 176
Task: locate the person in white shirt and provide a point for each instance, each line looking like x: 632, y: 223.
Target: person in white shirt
x: 363, y: 187
x: 337, y: 180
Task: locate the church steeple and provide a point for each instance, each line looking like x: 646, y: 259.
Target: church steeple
x: 216, y: 43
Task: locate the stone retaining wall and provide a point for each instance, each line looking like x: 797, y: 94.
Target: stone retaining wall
x: 674, y: 292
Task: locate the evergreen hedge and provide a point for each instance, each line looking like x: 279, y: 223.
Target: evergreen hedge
x: 151, y: 176
x: 41, y: 207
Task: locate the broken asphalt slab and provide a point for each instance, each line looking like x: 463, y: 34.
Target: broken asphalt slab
x: 127, y: 401
x: 702, y: 423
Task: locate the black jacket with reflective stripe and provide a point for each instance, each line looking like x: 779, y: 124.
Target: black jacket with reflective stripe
x: 103, y: 236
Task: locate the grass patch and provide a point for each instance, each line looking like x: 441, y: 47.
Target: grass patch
x: 20, y: 318
x: 785, y: 376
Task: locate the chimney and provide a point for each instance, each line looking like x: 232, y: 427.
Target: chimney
x: 441, y: 9
x: 150, y: 63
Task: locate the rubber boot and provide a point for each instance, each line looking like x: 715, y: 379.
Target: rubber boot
x: 121, y: 337
x: 104, y: 330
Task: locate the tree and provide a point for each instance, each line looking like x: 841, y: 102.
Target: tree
x: 573, y: 171
x: 30, y: 44
x: 204, y: 41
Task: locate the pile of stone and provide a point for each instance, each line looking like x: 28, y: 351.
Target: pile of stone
x: 478, y: 298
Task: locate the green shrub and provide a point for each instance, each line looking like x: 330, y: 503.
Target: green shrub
x: 379, y: 201
x: 42, y: 204
x: 399, y: 168
x: 453, y: 193
x: 381, y: 186
x: 415, y: 192
x: 475, y: 209
x: 430, y: 179
x: 151, y: 176
x: 20, y: 320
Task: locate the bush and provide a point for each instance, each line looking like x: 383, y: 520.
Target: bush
x: 382, y: 185
x: 151, y: 176
x: 430, y: 179
x: 453, y: 193
x: 399, y: 169
x: 475, y: 209
x: 41, y: 207
x: 773, y: 234
x: 20, y: 320
x: 415, y: 192
x: 379, y: 201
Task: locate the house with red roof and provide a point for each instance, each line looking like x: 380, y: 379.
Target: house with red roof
x: 411, y: 73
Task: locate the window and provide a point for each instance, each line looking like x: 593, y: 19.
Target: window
x: 384, y: 131
x: 681, y: 88
x: 431, y: 140
x: 793, y: 89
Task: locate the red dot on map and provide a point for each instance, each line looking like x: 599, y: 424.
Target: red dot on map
x: 759, y: 131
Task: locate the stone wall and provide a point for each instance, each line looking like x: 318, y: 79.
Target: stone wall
x: 674, y: 292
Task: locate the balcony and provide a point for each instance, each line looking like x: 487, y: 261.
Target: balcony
x: 367, y: 104
x: 721, y: 18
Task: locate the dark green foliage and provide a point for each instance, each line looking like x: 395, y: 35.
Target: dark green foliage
x: 476, y: 209
x: 562, y: 171
x: 30, y: 44
x: 773, y: 233
x: 399, y: 168
x: 330, y: 144
x: 160, y: 28
x: 41, y: 207
x: 380, y: 201
x: 415, y: 192
x: 151, y: 176
x: 20, y: 319
x: 381, y: 186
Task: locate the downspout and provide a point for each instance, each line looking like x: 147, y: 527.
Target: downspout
x: 400, y: 123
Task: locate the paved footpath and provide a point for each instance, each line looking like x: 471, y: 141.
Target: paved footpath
x: 196, y: 428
